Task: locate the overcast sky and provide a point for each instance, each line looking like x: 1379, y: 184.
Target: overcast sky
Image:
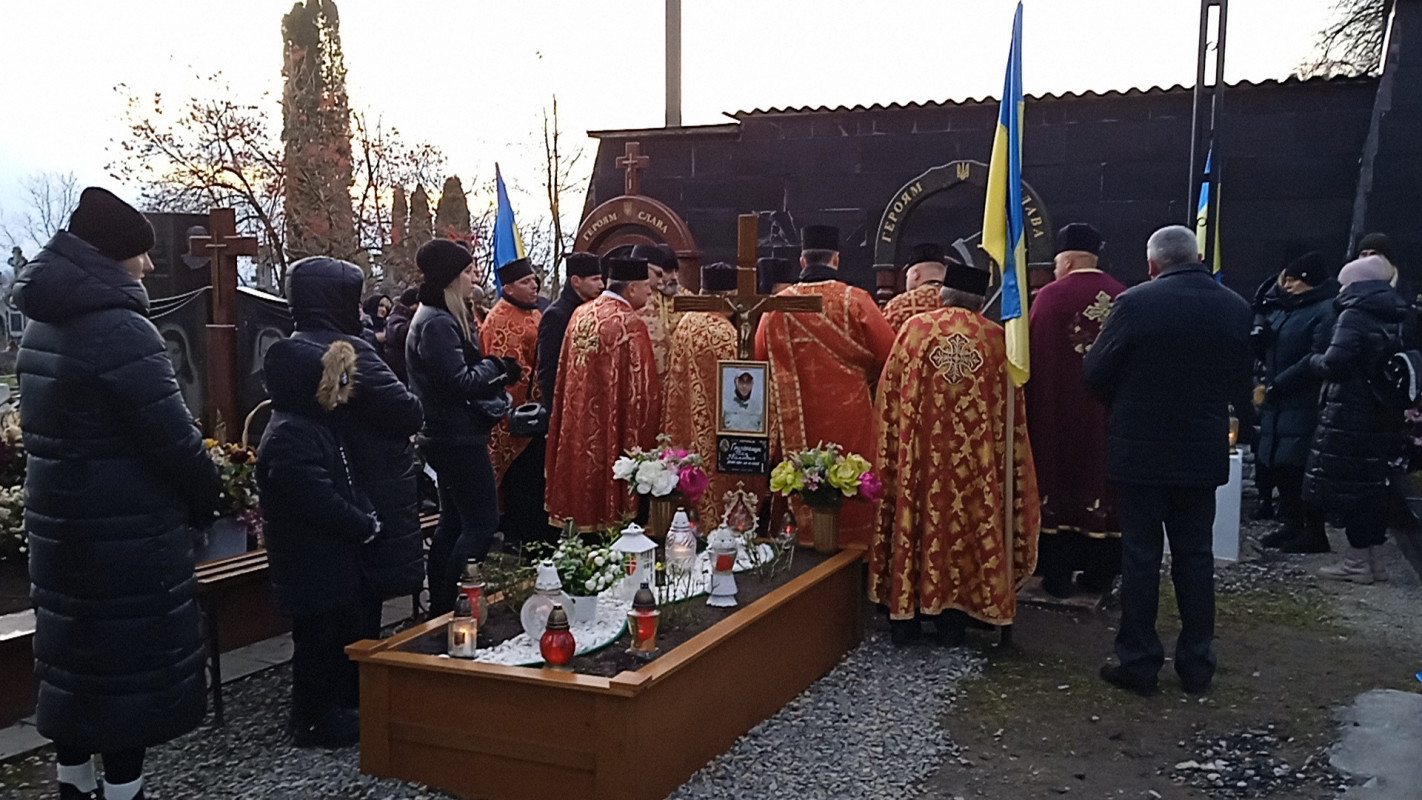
x: 472, y: 76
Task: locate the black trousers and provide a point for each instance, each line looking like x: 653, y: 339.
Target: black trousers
x: 1150, y: 514
x: 322, y: 677
x: 525, y: 517
x: 468, y: 518
x: 120, y: 766
x: 1295, y: 513
x: 1366, y: 522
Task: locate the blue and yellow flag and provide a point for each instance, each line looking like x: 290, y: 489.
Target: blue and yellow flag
x: 508, y: 242
x: 1202, y: 220
x: 1002, y: 217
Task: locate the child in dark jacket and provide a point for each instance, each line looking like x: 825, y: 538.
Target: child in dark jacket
x: 315, y: 522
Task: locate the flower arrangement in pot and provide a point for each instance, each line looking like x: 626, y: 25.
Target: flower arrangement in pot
x: 586, y: 570
x: 824, y: 477
x: 669, y: 476
x: 236, y: 466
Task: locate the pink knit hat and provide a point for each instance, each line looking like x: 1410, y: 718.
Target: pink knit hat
x: 1367, y: 268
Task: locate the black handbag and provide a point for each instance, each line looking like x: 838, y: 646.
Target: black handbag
x: 529, y: 420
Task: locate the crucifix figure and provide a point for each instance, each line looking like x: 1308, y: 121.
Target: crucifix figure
x: 747, y: 304
x: 633, y: 162
x: 223, y: 246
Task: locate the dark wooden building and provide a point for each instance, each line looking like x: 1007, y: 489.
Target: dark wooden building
x: 892, y: 176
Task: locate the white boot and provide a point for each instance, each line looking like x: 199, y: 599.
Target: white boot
x: 1375, y: 561
x: 1356, y: 567
x: 133, y: 790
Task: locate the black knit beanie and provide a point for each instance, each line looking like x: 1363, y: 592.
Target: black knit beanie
x: 441, y: 261
x: 115, y: 228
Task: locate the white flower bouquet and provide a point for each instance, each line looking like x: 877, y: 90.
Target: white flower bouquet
x: 662, y: 471
x: 586, y: 569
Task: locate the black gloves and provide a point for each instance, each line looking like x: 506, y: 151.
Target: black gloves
x: 513, y: 371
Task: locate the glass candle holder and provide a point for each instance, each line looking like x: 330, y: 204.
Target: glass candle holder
x: 557, y: 644
x: 463, y: 630
x: 642, y: 623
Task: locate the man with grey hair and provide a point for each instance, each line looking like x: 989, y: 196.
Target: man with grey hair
x: 1172, y: 356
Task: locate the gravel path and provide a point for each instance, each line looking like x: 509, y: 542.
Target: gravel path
x: 880, y: 706
x: 883, y: 705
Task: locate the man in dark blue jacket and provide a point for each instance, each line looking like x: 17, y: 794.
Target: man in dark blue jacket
x: 584, y: 283
x: 1172, y: 357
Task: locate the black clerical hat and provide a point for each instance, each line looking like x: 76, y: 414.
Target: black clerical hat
x: 966, y: 279
x: 515, y: 270
x: 927, y: 251
x: 660, y: 254
x: 773, y: 270
x: 626, y: 269
x: 583, y: 265
x: 819, y: 237
x: 718, y: 277
x: 1079, y: 236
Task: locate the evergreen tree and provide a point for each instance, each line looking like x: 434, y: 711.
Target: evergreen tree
x: 452, y: 214
x: 421, y: 227
x: 397, y: 254
x: 316, y: 132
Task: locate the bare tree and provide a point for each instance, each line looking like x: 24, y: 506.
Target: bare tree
x: 384, y: 163
x: 1352, y: 43
x: 49, y: 199
x: 210, y: 151
x: 558, y: 179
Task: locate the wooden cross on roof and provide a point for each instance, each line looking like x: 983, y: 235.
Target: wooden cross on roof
x: 748, y: 304
x: 633, y: 162
x: 223, y: 246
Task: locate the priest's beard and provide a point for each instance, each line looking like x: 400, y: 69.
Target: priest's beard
x: 670, y: 287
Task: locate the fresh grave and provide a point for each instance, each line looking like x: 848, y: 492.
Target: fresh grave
x: 503, y: 640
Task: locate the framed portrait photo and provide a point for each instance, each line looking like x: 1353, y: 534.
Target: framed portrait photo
x: 741, y: 399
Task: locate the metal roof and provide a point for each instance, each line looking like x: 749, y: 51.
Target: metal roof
x: 1154, y: 90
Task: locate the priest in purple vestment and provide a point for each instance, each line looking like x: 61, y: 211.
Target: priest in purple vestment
x: 1067, y: 425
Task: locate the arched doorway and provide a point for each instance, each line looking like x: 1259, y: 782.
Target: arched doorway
x: 633, y: 218
x: 945, y: 205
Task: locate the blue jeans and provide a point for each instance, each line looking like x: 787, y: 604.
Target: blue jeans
x: 468, y: 518
x: 1148, y: 515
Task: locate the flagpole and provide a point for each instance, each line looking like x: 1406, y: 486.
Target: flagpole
x: 1009, y: 485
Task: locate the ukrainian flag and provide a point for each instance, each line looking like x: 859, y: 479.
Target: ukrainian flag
x: 508, y: 242
x: 1202, y: 220
x: 1002, y: 217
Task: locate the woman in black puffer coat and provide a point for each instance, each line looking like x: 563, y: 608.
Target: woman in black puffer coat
x: 117, y: 472
x: 1300, y: 323
x: 1348, y: 460
x: 464, y: 397
x: 376, y: 426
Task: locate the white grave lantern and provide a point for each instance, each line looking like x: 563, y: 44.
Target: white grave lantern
x: 723, y: 545
x: 639, y: 559
x: 547, y: 593
x: 681, y: 543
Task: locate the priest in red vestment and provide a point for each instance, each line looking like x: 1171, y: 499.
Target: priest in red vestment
x: 1068, y: 424
x: 924, y: 282
x: 940, y: 549
x: 821, y: 368
x: 511, y: 329
x: 659, y: 313
x: 701, y: 340
x: 608, y: 400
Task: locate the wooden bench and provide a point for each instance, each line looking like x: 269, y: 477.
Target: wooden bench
x: 236, y: 600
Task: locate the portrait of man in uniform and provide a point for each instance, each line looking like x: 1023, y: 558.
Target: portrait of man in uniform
x: 742, y: 397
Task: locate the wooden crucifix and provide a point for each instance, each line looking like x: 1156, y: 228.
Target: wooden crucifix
x: 633, y: 162
x: 222, y: 246
x: 747, y: 304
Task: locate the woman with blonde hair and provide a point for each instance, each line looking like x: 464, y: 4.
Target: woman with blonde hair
x: 463, y: 395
